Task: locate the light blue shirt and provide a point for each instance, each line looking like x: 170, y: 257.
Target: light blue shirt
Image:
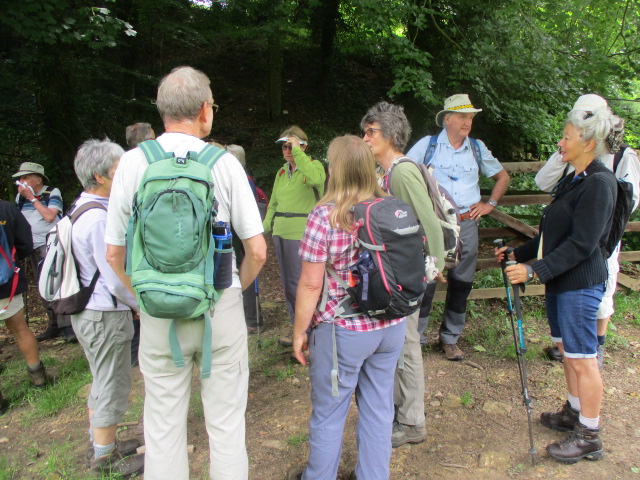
x: 457, y: 170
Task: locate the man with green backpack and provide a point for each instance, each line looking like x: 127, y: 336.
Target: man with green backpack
x: 173, y: 203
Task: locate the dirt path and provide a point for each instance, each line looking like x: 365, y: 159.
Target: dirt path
x: 475, y: 417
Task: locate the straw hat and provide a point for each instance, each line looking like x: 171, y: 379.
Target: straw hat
x: 458, y: 103
x: 29, y: 167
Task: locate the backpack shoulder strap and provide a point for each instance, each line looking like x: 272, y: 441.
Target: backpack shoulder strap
x: 618, y: 156
x: 153, y: 151
x: 431, y: 149
x: 403, y: 159
x: 208, y: 156
x: 77, y: 212
x: 475, y: 147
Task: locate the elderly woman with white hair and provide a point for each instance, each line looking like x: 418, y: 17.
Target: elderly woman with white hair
x: 568, y: 258
x: 105, y: 327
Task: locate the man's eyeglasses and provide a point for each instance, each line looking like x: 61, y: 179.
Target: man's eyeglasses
x: 286, y: 147
x: 370, y: 131
x: 214, y: 107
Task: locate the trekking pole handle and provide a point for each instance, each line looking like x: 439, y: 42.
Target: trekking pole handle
x: 499, y: 243
x: 516, y: 295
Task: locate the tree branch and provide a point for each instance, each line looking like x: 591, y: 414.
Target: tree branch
x: 622, y: 23
x: 444, y: 34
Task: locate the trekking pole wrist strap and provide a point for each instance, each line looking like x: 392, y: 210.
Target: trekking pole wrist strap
x: 530, y: 273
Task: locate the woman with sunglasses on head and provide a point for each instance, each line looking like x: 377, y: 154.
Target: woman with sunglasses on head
x: 568, y: 258
x: 366, y: 349
x: 298, y: 186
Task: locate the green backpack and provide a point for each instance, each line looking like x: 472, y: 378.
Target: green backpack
x: 169, y: 246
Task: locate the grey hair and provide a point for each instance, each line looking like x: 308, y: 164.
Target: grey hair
x: 182, y: 93
x: 138, y: 133
x: 597, y: 125
x: 393, y: 122
x: 238, y: 152
x: 95, y: 157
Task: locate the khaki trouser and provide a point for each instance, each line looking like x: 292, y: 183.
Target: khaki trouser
x: 224, y: 393
x: 408, y: 392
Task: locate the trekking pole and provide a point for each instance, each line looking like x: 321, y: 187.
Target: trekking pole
x: 518, y: 339
x: 499, y: 243
x: 521, y: 351
x: 256, y: 289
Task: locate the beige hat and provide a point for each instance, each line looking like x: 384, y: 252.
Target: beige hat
x: 29, y: 167
x: 590, y: 103
x: 458, y: 103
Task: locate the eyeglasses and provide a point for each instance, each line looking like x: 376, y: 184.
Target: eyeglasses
x: 370, y: 131
x: 286, y: 147
x: 214, y: 107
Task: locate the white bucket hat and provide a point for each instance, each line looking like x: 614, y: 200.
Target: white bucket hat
x: 590, y: 103
x: 458, y: 103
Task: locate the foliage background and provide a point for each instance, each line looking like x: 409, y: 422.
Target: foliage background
x: 75, y: 69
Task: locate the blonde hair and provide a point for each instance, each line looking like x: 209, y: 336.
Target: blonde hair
x: 295, y: 131
x: 352, y: 178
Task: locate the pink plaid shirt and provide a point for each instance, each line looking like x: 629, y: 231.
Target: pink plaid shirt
x: 335, y: 247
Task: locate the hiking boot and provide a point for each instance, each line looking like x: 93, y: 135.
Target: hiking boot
x: 553, y: 353
x: 125, y: 447
x: 600, y: 350
x: 564, y: 420
x: 452, y: 352
x: 52, y: 331
x: 403, y: 434
x: 285, y: 341
x: 69, y: 335
x: 116, y: 462
x: 39, y: 377
x: 582, y: 443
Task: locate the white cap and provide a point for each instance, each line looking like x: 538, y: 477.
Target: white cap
x: 590, y: 102
x: 286, y: 139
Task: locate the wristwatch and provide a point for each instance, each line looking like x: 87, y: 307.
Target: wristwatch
x: 493, y: 203
x: 34, y: 200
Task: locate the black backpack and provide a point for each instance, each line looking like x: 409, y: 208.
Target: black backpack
x: 622, y: 209
x: 391, y: 260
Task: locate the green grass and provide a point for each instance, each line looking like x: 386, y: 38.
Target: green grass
x: 7, y: 472
x: 466, y: 399
x: 71, y: 374
x: 297, y: 439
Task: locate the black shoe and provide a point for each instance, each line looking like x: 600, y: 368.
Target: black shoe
x: 582, y: 443
x: 52, y: 331
x: 69, y: 335
x: 553, y: 353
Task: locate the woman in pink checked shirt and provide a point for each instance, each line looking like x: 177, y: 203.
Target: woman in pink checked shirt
x: 367, y: 349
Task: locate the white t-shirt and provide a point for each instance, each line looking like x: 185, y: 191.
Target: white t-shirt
x: 232, y: 191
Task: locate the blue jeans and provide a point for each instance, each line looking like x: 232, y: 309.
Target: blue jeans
x: 366, y: 365
x: 572, y: 320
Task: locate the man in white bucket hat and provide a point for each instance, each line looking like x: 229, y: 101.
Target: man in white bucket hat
x: 458, y: 161
x: 624, y: 163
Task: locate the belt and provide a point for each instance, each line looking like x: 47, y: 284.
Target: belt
x: 465, y: 216
x: 291, y: 215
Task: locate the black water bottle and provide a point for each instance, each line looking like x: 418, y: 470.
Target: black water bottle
x: 222, y: 255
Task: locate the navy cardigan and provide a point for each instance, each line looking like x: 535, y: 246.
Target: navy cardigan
x: 574, y: 229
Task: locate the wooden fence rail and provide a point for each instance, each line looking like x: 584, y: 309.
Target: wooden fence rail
x: 522, y: 232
